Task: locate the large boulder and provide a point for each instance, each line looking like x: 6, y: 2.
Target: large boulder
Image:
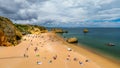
x: 85, y: 30
x: 72, y: 40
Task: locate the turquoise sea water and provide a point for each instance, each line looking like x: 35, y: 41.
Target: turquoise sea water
x: 97, y: 39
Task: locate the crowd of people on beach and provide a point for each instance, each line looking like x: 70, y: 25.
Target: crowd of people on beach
x: 30, y: 38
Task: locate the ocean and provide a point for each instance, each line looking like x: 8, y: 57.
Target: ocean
x: 97, y: 39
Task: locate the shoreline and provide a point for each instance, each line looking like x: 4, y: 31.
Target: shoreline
x: 111, y: 63
x: 52, y: 48
x: 107, y: 59
x: 100, y: 54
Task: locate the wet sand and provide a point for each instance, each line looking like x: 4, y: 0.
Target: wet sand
x: 48, y: 50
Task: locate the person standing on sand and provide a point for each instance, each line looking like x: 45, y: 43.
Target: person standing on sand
x: 67, y: 58
x: 27, y: 49
x: 55, y: 57
x: 68, y: 55
x: 50, y: 61
x: 35, y: 49
x: 80, y: 63
x: 86, y: 60
x: 75, y: 59
x: 25, y: 55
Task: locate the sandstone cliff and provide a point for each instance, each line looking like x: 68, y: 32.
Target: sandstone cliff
x: 9, y: 34
x: 30, y: 29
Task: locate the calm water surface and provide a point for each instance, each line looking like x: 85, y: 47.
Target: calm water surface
x: 97, y: 39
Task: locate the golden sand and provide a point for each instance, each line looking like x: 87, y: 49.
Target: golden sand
x: 48, y: 50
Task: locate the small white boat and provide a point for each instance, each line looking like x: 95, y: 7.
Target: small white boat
x: 111, y: 44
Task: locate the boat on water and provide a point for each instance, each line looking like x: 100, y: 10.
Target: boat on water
x: 110, y: 44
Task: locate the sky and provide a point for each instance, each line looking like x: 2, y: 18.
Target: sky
x: 63, y: 13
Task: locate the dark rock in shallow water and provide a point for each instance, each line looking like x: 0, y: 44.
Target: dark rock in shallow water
x: 85, y: 30
x: 58, y: 30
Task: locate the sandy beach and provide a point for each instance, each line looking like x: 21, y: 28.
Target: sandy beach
x: 48, y: 50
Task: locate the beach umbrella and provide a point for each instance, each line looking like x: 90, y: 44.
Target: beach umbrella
x: 69, y: 49
x: 50, y: 61
x: 38, y: 62
x: 37, y: 55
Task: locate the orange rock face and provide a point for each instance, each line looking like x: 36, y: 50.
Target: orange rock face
x: 3, y: 40
x: 9, y: 35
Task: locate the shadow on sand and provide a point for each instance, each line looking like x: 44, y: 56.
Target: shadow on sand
x: 13, y: 57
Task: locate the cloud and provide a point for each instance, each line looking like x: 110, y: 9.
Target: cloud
x: 62, y: 12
